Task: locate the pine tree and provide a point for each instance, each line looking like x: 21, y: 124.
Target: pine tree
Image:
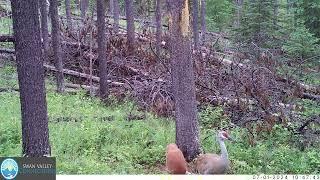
x: 309, y: 12
x: 257, y: 23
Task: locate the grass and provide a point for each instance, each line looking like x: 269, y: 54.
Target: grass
x: 6, y: 25
x: 6, y: 29
x: 89, y: 138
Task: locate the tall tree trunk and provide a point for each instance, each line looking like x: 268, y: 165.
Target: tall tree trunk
x: 238, y: 4
x: 116, y: 15
x: 149, y: 8
x: 130, y: 25
x: 237, y: 21
x: 68, y: 14
x: 84, y: 8
x: 203, y: 21
x: 158, y: 27
x: 77, y: 2
x: 289, y: 6
x: 44, y: 27
x: 111, y: 6
x: 275, y: 12
x: 195, y: 23
x: 102, y: 39
x: 187, y: 133
x: 56, y: 44
x: 35, y: 132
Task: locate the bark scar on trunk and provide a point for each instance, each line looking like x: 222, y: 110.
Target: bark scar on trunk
x: 184, y: 22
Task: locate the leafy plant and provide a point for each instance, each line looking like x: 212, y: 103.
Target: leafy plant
x: 213, y: 117
x: 301, y: 44
x: 219, y: 14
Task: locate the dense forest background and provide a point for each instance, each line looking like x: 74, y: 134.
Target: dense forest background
x: 256, y: 72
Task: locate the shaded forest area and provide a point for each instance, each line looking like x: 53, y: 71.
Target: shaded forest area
x: 255, y: 66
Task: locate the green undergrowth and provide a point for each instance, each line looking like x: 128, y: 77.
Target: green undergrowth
x: 307, y: 73
x: 272, y: 153
x: 88, y: 137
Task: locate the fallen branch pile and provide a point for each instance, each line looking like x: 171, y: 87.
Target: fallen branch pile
x: 249, y: 91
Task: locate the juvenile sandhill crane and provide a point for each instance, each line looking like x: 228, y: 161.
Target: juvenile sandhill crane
x: 175, y: 162
x: 213, y: 163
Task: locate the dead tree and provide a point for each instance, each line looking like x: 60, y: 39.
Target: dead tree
x: 195, y: 23
x: 203, y: 20
x: 84, y: 8
x: 44, y: 27
x: 116, y: 15
x: 158, y: 27
x: 68, y: 14
x: 56, y: 45
x: 101, y: 24
x: 187, y: 133
x: 238, y: 5
x: 130, y: 25
x: 110, y: 9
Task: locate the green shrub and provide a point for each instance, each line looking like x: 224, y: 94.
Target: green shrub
x: 301, y: 44
x: 213, y: 117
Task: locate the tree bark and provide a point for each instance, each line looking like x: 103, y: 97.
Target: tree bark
x: 84, y: 8
x: 111, y: 6
x: 56, y: 44
x: 26, y: 26
x: 130, y: 25
x: 275, y: 12
x: 158, y: 27
x: 203, y: 21
x: 187, y: 133
x: 77, y: 2
x: 238, y: 4
x: 102, y: 40
x: 195, y: 23
x: 116, y: 15
x: 44, y: 27
x: 68, y: 14
x: 289, y: 6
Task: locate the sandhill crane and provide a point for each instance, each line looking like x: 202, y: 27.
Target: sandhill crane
x: 213, y: 163
x: 175, y: 162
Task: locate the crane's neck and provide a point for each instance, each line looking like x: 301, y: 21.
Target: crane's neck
x: 224, y: 152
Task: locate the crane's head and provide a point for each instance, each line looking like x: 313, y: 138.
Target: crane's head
x: 223, y: 135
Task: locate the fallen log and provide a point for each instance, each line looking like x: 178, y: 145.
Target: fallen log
x: 8, y: 89
x: 311, y: 97
x: 83, y: 75
x: 73, y: 73
x: 80, y: 86
x: 303, y: 86
x: 6, y: 51
x: 234, y: 101
x: 7, y: 38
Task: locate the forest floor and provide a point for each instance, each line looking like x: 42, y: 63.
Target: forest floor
x: 88, y: 137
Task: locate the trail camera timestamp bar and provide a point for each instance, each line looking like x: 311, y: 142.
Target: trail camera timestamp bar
x: 286, y: 177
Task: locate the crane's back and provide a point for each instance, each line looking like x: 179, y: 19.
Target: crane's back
x: 211, y: 164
